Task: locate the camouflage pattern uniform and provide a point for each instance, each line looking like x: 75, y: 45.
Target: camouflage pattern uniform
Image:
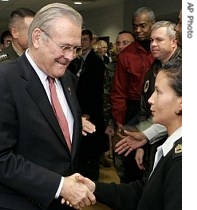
x: 109, y: 121
x: 108, y: 79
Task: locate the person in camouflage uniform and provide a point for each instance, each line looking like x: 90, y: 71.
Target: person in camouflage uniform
x: 123, y: 39
x: 109, y: 122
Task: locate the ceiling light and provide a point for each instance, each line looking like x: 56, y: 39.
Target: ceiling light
x: 5, y: 0
x: 77, y: 2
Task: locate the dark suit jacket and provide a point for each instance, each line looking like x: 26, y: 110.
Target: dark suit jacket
x: 162, y: 191
x: 33, y: 152
x: 90, y: 95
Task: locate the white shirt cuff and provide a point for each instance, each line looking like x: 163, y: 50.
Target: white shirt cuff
x: 59, y: 188
x: 155, y: 132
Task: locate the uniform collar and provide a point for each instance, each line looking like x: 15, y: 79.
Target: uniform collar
x: 169, y: 143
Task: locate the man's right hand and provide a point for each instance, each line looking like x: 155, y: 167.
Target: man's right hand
x: 75, y: 193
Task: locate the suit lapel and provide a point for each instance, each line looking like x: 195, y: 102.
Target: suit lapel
x: 69, y: 91
x: 41, y: 100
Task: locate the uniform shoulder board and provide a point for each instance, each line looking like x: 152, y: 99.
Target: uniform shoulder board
x: 3, y: 57
x: 178, y: 149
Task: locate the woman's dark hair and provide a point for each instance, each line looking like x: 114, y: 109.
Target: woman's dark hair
x: 173, y: 70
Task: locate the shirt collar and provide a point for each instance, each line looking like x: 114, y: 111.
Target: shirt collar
x: 40, y: 73
x: 86, y: 54
x: 16, y: 50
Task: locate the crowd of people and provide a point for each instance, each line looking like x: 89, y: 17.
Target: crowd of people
x: 68, y: 97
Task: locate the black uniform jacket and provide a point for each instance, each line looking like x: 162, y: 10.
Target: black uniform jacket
x: 33, y: 152
x: 162, y: 191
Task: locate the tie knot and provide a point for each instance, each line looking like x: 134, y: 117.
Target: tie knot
x: 51, y: 80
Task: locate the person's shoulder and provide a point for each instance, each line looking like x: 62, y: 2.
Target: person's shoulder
x: 70, y: 74
x: 4, y: 57
x: 8, y: 55
x: 93, y: 54
x: 96, y: 59
x: 177, y: 54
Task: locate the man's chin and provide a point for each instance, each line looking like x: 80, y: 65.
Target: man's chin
x: 141, y: 39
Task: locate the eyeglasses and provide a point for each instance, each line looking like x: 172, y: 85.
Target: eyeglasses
x: 65, y: 48
x: 123, y: 43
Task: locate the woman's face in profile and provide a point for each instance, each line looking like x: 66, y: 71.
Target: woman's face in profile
x: 164, y: 101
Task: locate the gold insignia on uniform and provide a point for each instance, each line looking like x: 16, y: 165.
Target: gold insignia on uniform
x: 178, y: 148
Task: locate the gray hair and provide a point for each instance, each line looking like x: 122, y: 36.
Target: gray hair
x: 145, y: 10
x: 170, y: 28
x: 45, y: 17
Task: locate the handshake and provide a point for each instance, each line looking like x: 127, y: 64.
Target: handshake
x: 77, y: 191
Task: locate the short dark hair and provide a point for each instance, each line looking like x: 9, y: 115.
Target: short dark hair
x: 18, y: 14
x: 87, y: 32
x: 4, y: 35
x: 145, y: 10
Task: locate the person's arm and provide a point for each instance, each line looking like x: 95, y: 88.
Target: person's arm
x: 119, y: 92
x: 75, y: 193
x: 133, y: 140
x: 155, y: 133
x: 130, y: 141
x: 116, y: 196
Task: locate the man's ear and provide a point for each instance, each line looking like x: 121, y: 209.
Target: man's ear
x: 36, y: 37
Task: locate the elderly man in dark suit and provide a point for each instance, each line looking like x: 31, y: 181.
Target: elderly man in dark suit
x: 36, y: 160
